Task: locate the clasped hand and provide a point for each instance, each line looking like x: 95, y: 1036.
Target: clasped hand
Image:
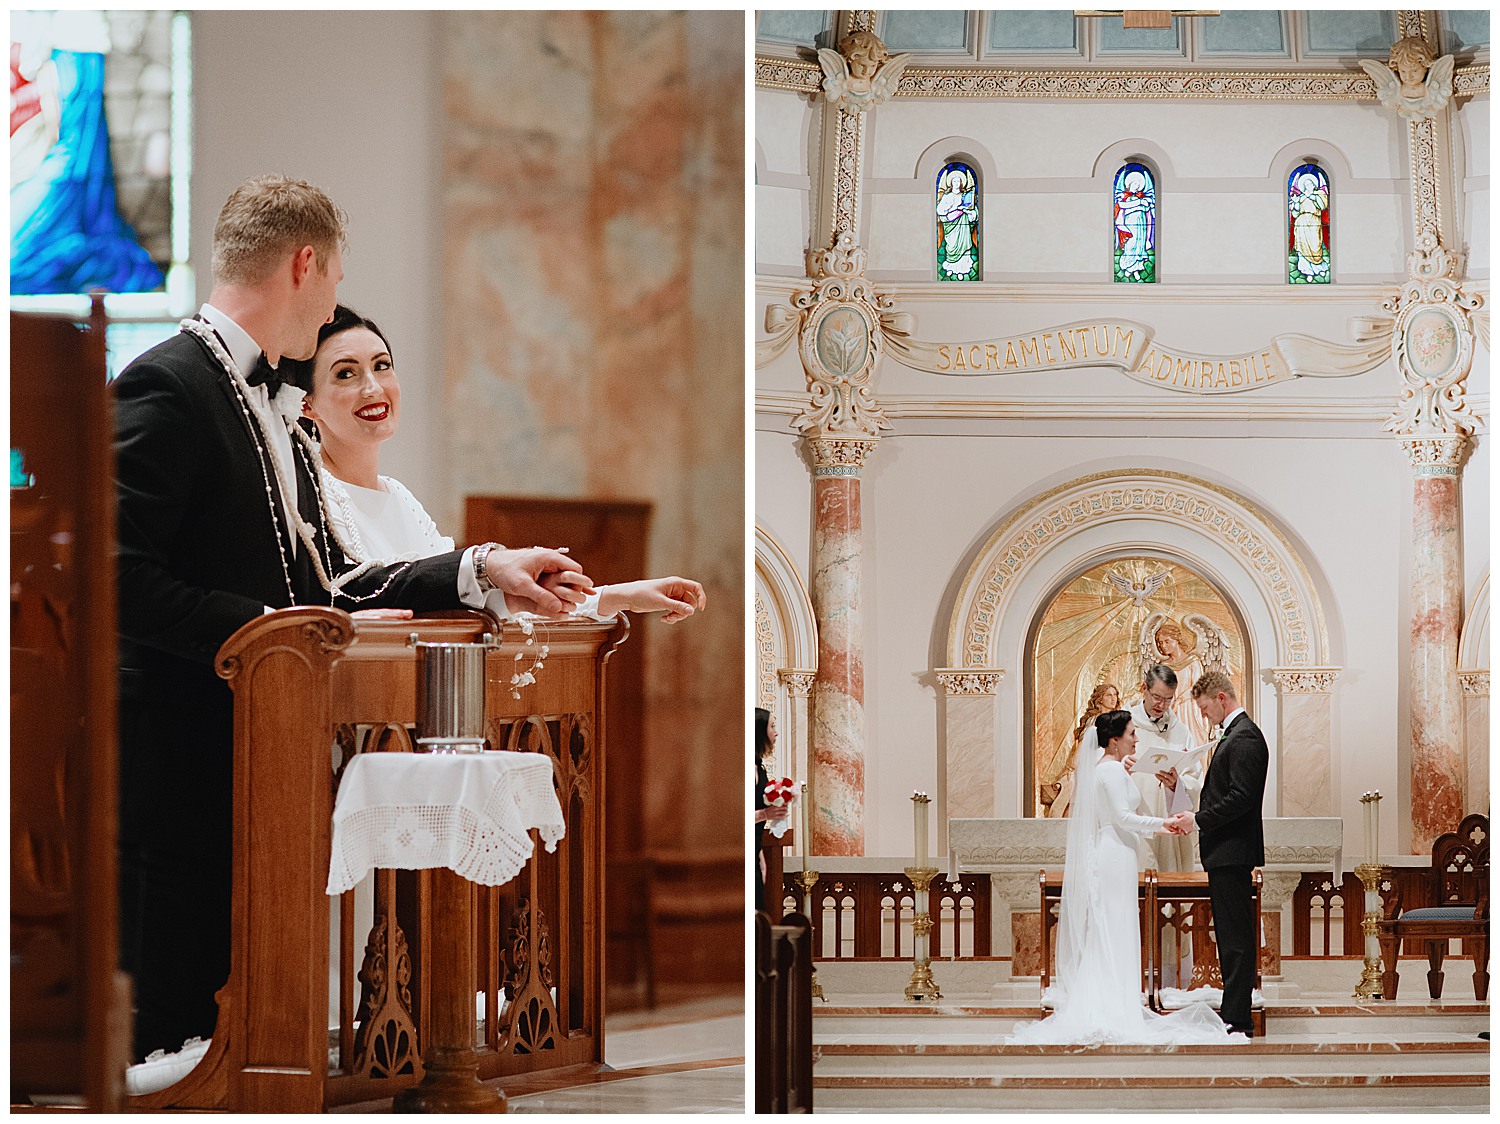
x: 1183, y: 823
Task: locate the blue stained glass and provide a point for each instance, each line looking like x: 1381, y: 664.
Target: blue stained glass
x: 67, y: 235
x: 1135, y: 224
x: 1309, y: 258
x: 957, y: 223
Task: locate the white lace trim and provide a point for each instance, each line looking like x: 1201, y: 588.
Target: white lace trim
x: 472, y: 813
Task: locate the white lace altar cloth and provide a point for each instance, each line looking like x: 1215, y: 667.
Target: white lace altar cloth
x: 470, y: 812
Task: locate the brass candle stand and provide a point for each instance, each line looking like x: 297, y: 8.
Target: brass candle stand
x: 807, y: 879
x: 1370, y: 986
x: 922, y: 985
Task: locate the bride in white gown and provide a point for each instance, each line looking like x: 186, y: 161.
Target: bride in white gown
x: 1097, y: 994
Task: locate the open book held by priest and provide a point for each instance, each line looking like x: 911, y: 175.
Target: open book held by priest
x: 1158, y: 758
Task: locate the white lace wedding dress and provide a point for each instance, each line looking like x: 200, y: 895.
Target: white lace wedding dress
x: 1097, y: 995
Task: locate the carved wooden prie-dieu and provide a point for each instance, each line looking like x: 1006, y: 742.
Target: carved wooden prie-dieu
x: 313, y: 687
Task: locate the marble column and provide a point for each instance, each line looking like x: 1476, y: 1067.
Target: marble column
x: 1476, y: 689
x: 970, y: 740
x: 1305, y: 740
x: 1437, y: 746
x: 838, y: 692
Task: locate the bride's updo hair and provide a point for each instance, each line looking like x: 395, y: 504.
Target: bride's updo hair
x: 1111, y: 725
x: 299, y: 372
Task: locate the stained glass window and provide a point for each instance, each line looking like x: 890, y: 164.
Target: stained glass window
x: 1309, y: 257
x: 1135, y: 224
x: 957, y: 223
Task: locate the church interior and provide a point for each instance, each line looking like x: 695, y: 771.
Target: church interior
x: 546, y: 217
x: 1087, y: 342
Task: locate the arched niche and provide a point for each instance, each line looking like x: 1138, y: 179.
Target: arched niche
x: 1211, y: 530
x: 786, y: 648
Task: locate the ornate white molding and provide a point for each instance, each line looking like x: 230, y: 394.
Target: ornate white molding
x: 1439, y: 455
x: 839, y: 456
x: 1019, y: 891
x: 1278, y: 886
x: 1433, y: 344
x: 765, y: 656
x: 1421, y: 85
x: 780, y: 588
x: 861, y: 74
x: 970, y: 680
x: 1475, y: 684
x: 1305, y: 680
x: 1031, y: 531
x: 805, y: 77
x: 797, y: 681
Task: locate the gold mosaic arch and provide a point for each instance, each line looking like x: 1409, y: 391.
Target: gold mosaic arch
x: 1034, y: 529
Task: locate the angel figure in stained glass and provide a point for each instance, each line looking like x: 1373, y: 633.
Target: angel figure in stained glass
x: 958, y: 224
x: 1307, y: 206
x: 1135, y: 225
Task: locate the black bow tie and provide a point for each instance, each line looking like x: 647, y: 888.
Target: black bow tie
x: 263, y: 374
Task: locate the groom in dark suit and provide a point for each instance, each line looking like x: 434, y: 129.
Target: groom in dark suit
x: 220, y: 520
x: 1231, y: 841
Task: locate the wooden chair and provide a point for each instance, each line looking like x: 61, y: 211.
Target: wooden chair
x: 1458, y: 906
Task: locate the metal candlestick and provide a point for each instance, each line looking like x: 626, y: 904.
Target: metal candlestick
x: 1370, y: 985
x: 922, y: 985
x: 807, y: 879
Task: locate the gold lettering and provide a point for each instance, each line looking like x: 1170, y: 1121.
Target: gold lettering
x: 1101, y: 349
x: 1164, y: 368
x: 1186, y: 376
x: 1025, y: 351
x: 958, y: 360
x: 974, y: 354
x: 991, y: 357
x: 1065, y: 346
x: 1083, y: 340
x: 1219, y: 377
x: 1047, y: 346
x: 1236, y: 373
x: 1010, y: 354
x: 1265, y: 358
x: 943, y: 351
x: 1123, y: 340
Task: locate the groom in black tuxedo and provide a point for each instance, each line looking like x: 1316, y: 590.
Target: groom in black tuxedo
x: 1231, y: 841
x: 211, y: 488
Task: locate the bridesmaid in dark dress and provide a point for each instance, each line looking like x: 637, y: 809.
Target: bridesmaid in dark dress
x: 765, y: 742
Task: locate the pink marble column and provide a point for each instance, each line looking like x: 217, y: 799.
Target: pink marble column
x: 1437, y: 749
x: 838, y: 699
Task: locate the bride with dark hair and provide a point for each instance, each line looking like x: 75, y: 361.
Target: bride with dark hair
x: 1097, y: 997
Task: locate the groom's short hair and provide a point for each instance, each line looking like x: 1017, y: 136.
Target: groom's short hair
x: 267, y: 218
x: 1211, y: 682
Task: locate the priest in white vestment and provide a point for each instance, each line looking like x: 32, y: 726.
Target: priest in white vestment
x: 1166, y: 794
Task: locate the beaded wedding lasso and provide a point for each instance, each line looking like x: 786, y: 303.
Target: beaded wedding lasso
x: 301, y: 442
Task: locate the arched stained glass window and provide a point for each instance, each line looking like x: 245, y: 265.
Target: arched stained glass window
x: 1309, y: 257
x: 1135, y: 224
x: 957, y: 223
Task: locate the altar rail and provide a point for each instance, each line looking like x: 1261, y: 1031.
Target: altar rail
x: 869, y: 916
x: 313, y: 685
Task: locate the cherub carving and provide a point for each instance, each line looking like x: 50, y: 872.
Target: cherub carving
x: 861, y: 74
x: 1419, y: 86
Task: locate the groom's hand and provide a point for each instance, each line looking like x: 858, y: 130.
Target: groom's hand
x: 1182, y: 823
x: 519, y: 575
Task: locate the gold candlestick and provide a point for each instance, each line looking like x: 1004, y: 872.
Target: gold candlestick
x: 807, y: 879
x: 922, y: 985
x: 1370, y: 985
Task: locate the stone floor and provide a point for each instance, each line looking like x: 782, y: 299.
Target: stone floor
x: 1323, y: 1052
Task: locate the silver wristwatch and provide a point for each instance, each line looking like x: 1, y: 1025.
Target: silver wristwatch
x: 481, y: 573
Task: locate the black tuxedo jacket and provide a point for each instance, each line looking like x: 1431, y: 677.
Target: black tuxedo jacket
x: 1230, y: 832
x: 198, y: 558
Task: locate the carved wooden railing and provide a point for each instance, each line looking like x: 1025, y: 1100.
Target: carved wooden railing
x: 783, y: 1014
x: 862, y: 915
x: 312, y: 688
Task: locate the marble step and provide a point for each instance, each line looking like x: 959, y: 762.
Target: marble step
x: 1407, y: 1093
x: 906, y: 1062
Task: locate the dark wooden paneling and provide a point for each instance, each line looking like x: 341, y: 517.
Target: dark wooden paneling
x: 69, y: 1006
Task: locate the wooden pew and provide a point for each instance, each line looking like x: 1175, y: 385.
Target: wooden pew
x: 783, y: 1014
x: 312, y: 687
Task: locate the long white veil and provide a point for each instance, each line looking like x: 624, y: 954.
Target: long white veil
x: 1076, y: 908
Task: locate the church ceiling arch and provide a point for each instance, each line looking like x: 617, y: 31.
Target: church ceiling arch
x: 1033, y: 534
x: 1474, y: 640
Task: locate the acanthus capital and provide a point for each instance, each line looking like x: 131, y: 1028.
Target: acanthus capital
x: 1305, y: 680
x: 797, y: 681
x: 970, y: 680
